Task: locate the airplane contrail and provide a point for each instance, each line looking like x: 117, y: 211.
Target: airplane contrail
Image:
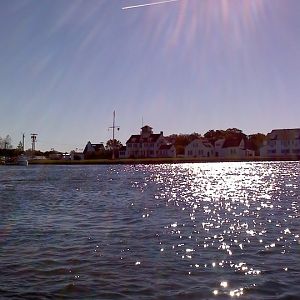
x: 148, y: 4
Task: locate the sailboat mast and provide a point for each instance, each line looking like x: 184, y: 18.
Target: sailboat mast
x: 113, y: 141
x: 113, y: 127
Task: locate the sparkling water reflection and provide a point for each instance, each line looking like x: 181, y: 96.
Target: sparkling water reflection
x: 196, y: 231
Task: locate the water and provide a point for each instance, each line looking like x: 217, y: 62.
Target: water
x: 185, y: 231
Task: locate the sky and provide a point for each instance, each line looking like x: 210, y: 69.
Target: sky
x: 181, y: 67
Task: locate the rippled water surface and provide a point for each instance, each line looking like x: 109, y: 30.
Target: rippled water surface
x: 184, y: 231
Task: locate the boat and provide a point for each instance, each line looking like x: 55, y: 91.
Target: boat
x: 19, y: 161
x: 22, y: 160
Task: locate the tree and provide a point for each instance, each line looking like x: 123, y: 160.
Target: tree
x: 6, y: 142
x: 257, y: 140
x: 113, y: 144
x: 214, y: 135
x: 230, y: 133
x: 20, y: 146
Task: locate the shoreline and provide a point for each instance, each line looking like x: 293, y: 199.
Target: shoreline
x: 148, y: 161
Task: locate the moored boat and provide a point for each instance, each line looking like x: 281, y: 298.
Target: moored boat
x: 22, y: 160
x: 19, y: 161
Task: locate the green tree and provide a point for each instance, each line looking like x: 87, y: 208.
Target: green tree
x: 20, y: 146
x: 113, y: 144
x: 257, y: 140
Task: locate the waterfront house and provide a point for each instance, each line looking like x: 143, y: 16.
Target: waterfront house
x: 122, y: 152
x: 168, y: 150
x: 219, y: 148
x: 93, y: 150
x: 75, y: 155
x: 234, y: 148
x: 145, y: 145
x: 199, y: 148
x: 55, y: 155
x: 282, y: 143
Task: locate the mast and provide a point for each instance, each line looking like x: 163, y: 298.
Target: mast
x: 113, y: 127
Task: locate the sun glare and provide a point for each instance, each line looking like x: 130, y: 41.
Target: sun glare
x: 190, y: 19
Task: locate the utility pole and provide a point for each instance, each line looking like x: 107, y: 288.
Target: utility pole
x: 113, y: 127
x: 33, y: 141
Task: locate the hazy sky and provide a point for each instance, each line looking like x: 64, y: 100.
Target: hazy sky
x: 181, y: 67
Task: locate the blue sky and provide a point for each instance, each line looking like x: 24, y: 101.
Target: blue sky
x: 181, y: 67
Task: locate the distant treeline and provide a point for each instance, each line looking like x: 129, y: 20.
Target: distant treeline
x: 254, y: 141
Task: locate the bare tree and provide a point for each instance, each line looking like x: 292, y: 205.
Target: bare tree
x: 5, y: 143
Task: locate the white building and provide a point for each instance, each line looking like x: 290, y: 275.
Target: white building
x: 168, y: 150
x: 145, y: 145
x: 281, y: 142
x: 75, y: 155
x: 233, y: 148
x: 199, y: 148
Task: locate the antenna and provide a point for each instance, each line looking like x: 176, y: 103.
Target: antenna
x: 33, y: 141
x: 113, y: 127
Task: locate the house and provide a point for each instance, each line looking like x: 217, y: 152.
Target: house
x: 55, y: 155
x: 75, y: 155
x: 122, y: 152
x: 168, y: 150
x: 235, y: 147
x: 199, y: 148
x: 145, y: 145
x: 93, y: 150
x: 219, y: 148
x: 282, y: 142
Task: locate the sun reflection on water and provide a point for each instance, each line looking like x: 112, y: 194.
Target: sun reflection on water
x: 229, y: 209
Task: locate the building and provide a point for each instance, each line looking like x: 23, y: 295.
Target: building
x: 199, y: 148
x: 93, y: 150
x: 75, y: 155
x: 168, y: 150
x: 146, y: 144
x: 233, y: 148
x: 282, y: 143
x: 122, y: 152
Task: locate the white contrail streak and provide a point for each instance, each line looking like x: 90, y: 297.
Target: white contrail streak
x: 149, y: 4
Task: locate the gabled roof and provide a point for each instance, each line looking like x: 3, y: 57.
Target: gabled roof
x: 98, y: 147
x: 137, y: 138
x: 234, y: 142
x: 204, y: 141
x: 284, y: 134
x: 95, y: 147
